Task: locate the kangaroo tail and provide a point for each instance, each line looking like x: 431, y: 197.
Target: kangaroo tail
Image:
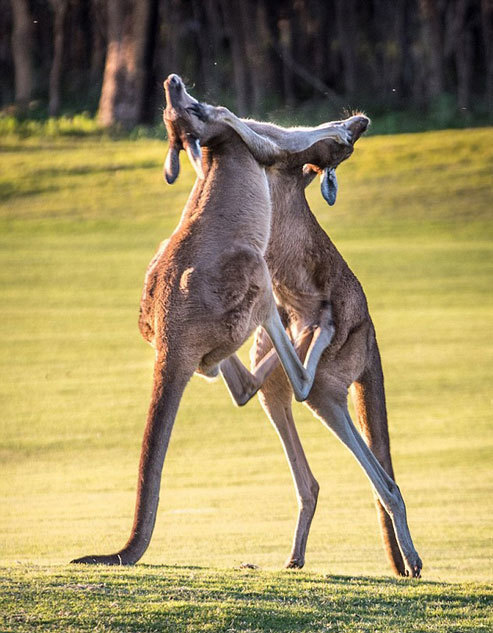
x: 167, y: 392
x: 368, y: 396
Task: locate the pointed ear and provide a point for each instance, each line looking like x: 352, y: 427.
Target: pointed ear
x: 328, y: 185
x: 194, y: 153
x: 172, y: 164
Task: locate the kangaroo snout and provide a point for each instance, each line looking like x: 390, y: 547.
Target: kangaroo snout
x: 173, y: 81
x: 357, y: 124
x: 175, y: 92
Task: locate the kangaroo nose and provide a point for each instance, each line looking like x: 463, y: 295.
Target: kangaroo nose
x: 174, y: 80
x: 173, y: 87
x: 363, y: 122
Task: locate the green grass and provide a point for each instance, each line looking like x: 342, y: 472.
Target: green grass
x: 184, y: 599
x: 79, y: 221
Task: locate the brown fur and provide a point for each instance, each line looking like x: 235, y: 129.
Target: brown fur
x: 207, y: 289
x: 307, y: 273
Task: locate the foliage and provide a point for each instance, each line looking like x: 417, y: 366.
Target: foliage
x: 22, y: 127
x: 76, y: 125
x: 255, y: 57
x: 443, y: 115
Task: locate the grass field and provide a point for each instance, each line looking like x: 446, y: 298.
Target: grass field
x: 79, y: 221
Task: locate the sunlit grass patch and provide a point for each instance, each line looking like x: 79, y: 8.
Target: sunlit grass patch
x: 181, y: 599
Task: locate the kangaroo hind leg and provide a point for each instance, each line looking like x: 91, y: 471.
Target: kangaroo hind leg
x: 337, y: 418
x: 243, y: 385
x: 275, y: 397
x: 170, y: 379
x: 306, y: 485
x: 368, y: 396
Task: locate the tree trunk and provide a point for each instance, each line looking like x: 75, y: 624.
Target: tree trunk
x: 347, y: 32
x: 487, y: 28
x: 433, y: 46
x: 60, y: 10
x: 256, y: 41
x: 98, y: 43
x: 21, y: 52
x: 463, y: 59
x: 125, y: 72
x: 285, y: 41
x: 205, y: 61
x: 320, y: 50
x: 404, y: 72
x: 213, y: 32
x: 462, y: 53
x: 233, y: 22
x: 390, y: 25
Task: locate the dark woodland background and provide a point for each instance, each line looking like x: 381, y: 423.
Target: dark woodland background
x: 259, y: 57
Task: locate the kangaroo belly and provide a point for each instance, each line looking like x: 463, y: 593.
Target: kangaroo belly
x: 238, y: 298
x: 234, y: 283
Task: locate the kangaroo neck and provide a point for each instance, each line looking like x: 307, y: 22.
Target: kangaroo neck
x: 298, y: 245
x: 232, y: 203
x: 291, y: 215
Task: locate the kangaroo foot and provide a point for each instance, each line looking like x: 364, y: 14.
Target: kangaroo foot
x: 247, y: 395
x: 414, y: 566
x: 111, y: 559
x: 294, y: 563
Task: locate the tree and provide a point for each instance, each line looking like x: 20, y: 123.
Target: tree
x: 461, y: 45
x: 257, y: 53
x: 21, y: 52
x: 59, y: 10
x: 487, y: 28
x: 432, y: 33
x: 130, y: 43
x: 347, y: 33
x: 233, y: 20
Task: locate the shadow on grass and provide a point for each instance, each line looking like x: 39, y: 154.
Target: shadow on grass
x: 179, y: 599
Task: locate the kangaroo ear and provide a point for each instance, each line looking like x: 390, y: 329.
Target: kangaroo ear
x: 328, y: 185
x: 172, y: 164
x: 194, y: 153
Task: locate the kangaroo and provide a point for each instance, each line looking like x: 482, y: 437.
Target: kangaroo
x: 311, y: 279
x: 208, y: 287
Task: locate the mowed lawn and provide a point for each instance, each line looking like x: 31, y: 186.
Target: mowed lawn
x: 79, y: 221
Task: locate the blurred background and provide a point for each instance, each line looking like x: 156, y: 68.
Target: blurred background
x: 414, y: 64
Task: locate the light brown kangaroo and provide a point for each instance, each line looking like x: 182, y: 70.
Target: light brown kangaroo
x: 208, y: 287
x: 310, y: 278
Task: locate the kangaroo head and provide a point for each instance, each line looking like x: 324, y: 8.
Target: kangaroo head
x: 329, y: 154
x: 180, y: 133
x: 188, y: 128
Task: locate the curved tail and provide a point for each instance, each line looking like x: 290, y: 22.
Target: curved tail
x: 167, y: 392
x: 368, y: 396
